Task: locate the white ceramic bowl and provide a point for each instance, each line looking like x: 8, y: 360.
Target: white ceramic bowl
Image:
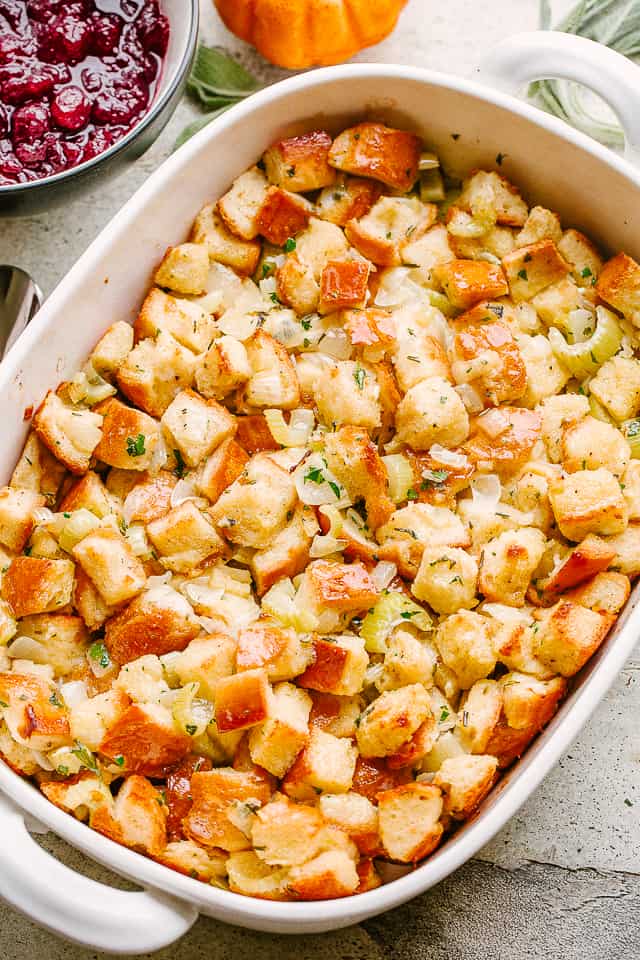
x: 592, y: 189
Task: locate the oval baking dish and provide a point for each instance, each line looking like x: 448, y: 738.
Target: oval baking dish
x: 469, y: 126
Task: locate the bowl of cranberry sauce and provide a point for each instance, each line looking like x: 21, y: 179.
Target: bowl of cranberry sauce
x: 83, y: 82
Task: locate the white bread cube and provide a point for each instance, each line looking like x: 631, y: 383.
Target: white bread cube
x: 409, y: 816
x: 184, y: 538
x: 71, y: 435
x: 33, y: 716
x: 467, y: 646
x: 432, y: 412
x: 197, y: 426
x: 288, y: 553
x: 112, y: 349
x: 90, y: 493
x: 447, y: 579
x: 192, y: 860
x: 37, y: 470
x: 583, y: 256
x: 568, y: 635
x: 325, y: 765
x: 273, y: 381
x: 627, y: 547
x: 206, y: 661
x: 63, y: 638
x: 479, y: 713
x: 545, y: 374
x: 531, y: 268
x: 355, y: 461
x: 223, y: 246
x: 240, y: 206
x: 407, y: 660
x: 348, y: 392
x: 82, y: 795
x: 33, y: 585
x: 606, y: 592
x: 508, y: 563
x: 541, y: 224
x: 591, y: 443
x: 185, y: 321
x: 16, y: 516
x: 155, y: 371
x: 8, y: 624
x: 184, y: 269
x: 89, y: 603
x: 381, y: 234
x: 285, y: 834
x: 252, y: 877
x: 558, y: 412
x: 348, y: 199
x: 109, y: 562
x: 276, y: 743
x: 429, y: 250
x: 330, y: 875
x: 588, y: 501
x: 129, y: 436
x: 616, y: 386
x: 356, y: 816
x: 404, y: 537
x: 224, y: 367
x: 489, y: 191
x: 254, y: 508
x: 465, y: 781
x: 392, y: 719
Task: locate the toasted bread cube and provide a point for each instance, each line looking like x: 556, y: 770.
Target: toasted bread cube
x: 37, y: 470
x: 465, y: 782
x: 71, y: 435
x: 186, y: 322
x: 356, y: 816
x: 89, y: 603
x: 616, y: 386
x: 432, y: 412
x: 325, y: 765
x: 276, y: 743
x: 488, y: 357
x: 15, y: 755
x: 380, y: 152
x: 343, y: 285
x: 404, y: 537
x: 140, y: 817
x: 32, y: 585
x: 348, y: 392
x: 406, y: 661
x: 240, y: 206
x: 285, y: 834
x: 63, y: 638
x: 489, y: 190
x: 523, y: 697
x: 150, y: 498
x: 369, y: 327
x: 502, y: 439
x: 339, y: 586
x: 392, y: 719
x: 627, y: 547
x: 348, y: 199
x: 584, y: 562
x: 410, y: 827
x: 392, y: 222
x: 252, y: 877
x: 532, y: 268
x: 538, y: 700
x: 619, y: 286
x: 545, y: 375
x: 279, y: 650
x: 184, y: 538
x: 297, y: 287
x: 145, y: 735
x: 206, y: 661
x: 605, y: 592
x: 330, y: 875
x: 241, y: 700
x: 89, y: 493
x: 447, y: 579
x: 17, y: 516
x: 129, y: 436
x: 158, y: 621
x: 8, y: 624
x: 515, y: 648
x: 355, y: 461
x: 155, y: 371
x: 89, y: 719
x: 467, y: 645
x: 184, y: 269
x: 508, y: 563
x: 221, y: 469
x: 588, y: 501
x: 569, y: 635
x: 33, y: 716
x: 192, y: 860
x: 112, y: 349
x: 338, y: 667
x: 429, y: 250
x: 197, y: 426
x: 555, y: 303
x: 591, y: 443
x: 300, y: 164
x: 254, y: 508
x: 110, y: 563
x: 216, y: 796
x: 336, y: 715
x: 224, y: 367
x: 479, y: 713
x: 584, y: 258
x: 224, y: 247
x: 556, y: 413
x: 282, y: 215
x: 467, y: 282
x: 142, y: 679
x: 82, y: 795
x: 298, y: 279
x: 541, y: 224
x: 273, y: 381
x: 288, y: 553
x: 498, y: 241
x: 631, y: 480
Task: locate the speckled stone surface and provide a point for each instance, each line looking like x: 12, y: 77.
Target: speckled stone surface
x: 562, y: 880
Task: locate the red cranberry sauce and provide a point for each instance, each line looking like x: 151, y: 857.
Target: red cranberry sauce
x: 74, y: 78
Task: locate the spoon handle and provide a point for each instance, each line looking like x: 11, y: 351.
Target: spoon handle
x: 20, y: 299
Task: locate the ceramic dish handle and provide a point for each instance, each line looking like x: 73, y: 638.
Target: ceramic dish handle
x: 548, y: 54
x: 77, y: 908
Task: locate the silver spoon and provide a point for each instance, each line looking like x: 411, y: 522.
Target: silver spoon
x: 20, y: 299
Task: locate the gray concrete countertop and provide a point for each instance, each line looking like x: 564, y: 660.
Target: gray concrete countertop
x: 562, y: 880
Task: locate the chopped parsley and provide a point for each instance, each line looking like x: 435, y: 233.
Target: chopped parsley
x: 100, y: 655
x: 119, y: 760
x: 411, y: 494
x: 499, y: 158
x: 359, y: 377
x: 586, y: 273
x: 268, y: 267
x: 191, y: 729
x: 305, y: 323
x: 85, y: 756
x: 444, y: 713
x: 334, y: 486
x: 290, y: 245
x: 180, y: 466
x: 135, y: 445
x: 523, y: 274
x: 274, y: 298
x: 433, y: 478
x: 55, y: 700
x: 315, y: 475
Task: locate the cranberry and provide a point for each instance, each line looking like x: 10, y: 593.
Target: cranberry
x: 153, y: 29
x: 30, y: 122
x: 119, y: 101
x: 130, y: 8
x: 30, y: 80
x: 31, y: 154
x: 44, y: 10
x: 10, y: 166
x: 105, y: 34
x: 101, y: 139
x: 71, y: 108
x: 4, y: 121
x: 66, y: 38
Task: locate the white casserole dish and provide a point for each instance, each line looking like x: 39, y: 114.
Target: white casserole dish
x: 591, y: 188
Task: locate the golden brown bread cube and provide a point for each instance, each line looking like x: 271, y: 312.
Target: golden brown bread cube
x: 33, y: 585
x: 89, y: 603
x: 38, y: 470
x: 465, y: 781
x: 591, y: 443
x: 210, y: 230
x: 17, y: 516
x: 285, y: 834
x: 354, y: 460
x: 604, y: 592
x: 336, y: 715
x: 83, y: 795
x: 356, y: 816
x: 138, y: 817
x: 150, y: 497
x: 541, y: 224
x: 300, y: 164
x: 216, y: 794
x: 197, y: 426
x: 479, y: 712
x: 392, y: 719
x: 619, y: 285
x: 282, y: 215
x: 112, y: 349
x: 338, y: 665
x: 184, y: 269
x: 487, y: 191
x: 147, y: 738
x: 276, y: 743
x: 192, y: 860
x: 63, y: 638
x: 221, y: 469
x: 339, y: 586
x: 488, y: 356
x: 343, y: 285
x: 348, y: 199
x: 110, y: 563
x: 590, y: 557
x: 224, y: 367
x: 532, y: 268
x: 157, y: 621
x: 90, y: 493
x: 583, y: 256
x: 616, y: 386
x: 325, y: 765
x: 252, y: 877
x: 588, y: 501
x: 129, y: 436
x: 328, y: 876
x: 447, y: 579
x: 242, y: 700
x: 273, y: 381
x: 279, y: 650
x: 206, y: 660
x: 33, y: 716
x: 534, y: 699
x: 467, y: 645
x: 155, y: 371
x: 184, y: 538
x: 240, y: 206
x: 71, y: 435
x: 383, y: 232
x: 288, y: 553
x: 467, y: 282
x: 380, y: 152
x: 186, y: 322
x: 508, y: 563
x: 568, y: 635
x: 409, y: 818
x: 348, y: 392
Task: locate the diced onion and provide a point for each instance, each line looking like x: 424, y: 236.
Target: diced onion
x: 428, y: 161
x: 280, y: 602
x: 183, y: 490
x: 449, y: 457
x: 336, y: 344
x: 26, y: 648
x: 397, y: 288
x: 391, y: 609
x: 486, y: 490
x: 80, y: 524
x: 503, y: 613
x: 383, y: 573
x: 201, y: 595
x: 237, y: 324
x: 42, y: 760
x: 598, y: 411
x: 324, y: 546
x: 43, y: 515
x: 266, y: 388
x: 87, y: 386
x: 268, y: 286
x: 470, y: 397
x: 159, y: 580
x: 191, y: 714
x: 373, y: 674
x: 159, y: 457
x: 208, y: 624
x: 136, y: 537
x: 168, y: 661
x: 400, y: 473
x: 73, y: 692
x: 296, y: 433
x: 583, y: 359
x: 99, y: 660
x: 315, y: 484
x: 432, y: 186
x: 343, y: 527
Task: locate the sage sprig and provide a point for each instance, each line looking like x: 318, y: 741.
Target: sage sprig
x: 216, y: 82
x: 616, y: 24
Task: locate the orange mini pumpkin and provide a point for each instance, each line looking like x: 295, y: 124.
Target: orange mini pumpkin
x: 307, y: 33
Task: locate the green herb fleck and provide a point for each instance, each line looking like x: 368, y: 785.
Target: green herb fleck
x: 85, y: 756
x: 411, y: 494
x: 290, y: 245
x: 523, y: 274
x: 100, y: 655
x: 359, y: 377
x: 586, y: 273
x: 135, y: 445
x: 315, y: 475
x: 180, y: 467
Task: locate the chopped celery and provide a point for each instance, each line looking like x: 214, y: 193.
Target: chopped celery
x: 631, y: 430
x: 401, y: 478
x: 583, y: 359
x: 191, y: 714
x: 391, y: 610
